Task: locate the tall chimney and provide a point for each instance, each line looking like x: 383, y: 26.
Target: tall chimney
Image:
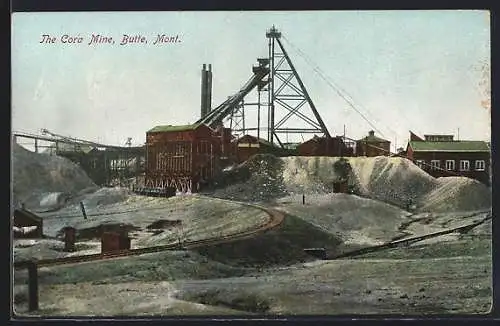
x: 203, y: 91
x: 208, y: 105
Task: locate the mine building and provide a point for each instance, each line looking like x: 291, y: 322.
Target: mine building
x: 324, y: 146
x: 441, y: 155
x: 248, y: 145
x: 372, y: 145
x: 186, y: 156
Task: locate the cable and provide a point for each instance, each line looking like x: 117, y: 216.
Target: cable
x: 336, y: 88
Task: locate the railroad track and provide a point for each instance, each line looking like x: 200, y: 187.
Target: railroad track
x: 407, y: 241
x: 275, y: 219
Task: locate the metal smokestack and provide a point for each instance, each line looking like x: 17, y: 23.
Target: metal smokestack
x: 208, y: 106
x: 204, y: 91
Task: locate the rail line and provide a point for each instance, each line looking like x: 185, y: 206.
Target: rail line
x: 404, y: 242
x: 275, y: 219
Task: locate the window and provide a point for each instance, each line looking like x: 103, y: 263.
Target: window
x: 479, y: 165
x: 420, y: 163
x: 450, y: 165
x: 464, y: 165
x: 435, y: 164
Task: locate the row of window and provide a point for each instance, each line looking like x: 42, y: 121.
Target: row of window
x: 450, y: 165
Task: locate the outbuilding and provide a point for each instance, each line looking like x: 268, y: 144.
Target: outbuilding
x: 372, y: 145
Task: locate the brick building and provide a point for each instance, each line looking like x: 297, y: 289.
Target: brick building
x: 441, y: 155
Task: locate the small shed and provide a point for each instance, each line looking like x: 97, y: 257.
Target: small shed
x: 112, y: 241
x: 27, y: 224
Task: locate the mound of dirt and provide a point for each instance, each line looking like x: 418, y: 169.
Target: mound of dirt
x: 393, y: 180
x: 457, y: 194
x: 164, y: 224
x: 281, y: 246
x: 357, y: 221
x: 260, y: 178
x: 35, y: 176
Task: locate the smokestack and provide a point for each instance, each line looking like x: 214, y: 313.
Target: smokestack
x: 208, y: 105
x: 204, y: 91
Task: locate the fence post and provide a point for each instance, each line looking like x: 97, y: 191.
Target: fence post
x: 83, y: 210
x: 33, y: 285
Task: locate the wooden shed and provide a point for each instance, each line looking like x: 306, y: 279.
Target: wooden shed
x: 112, y: 241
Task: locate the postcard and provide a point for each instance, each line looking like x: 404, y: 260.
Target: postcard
x: 251, y: 163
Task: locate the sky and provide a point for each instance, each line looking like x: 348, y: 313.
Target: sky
x: 400, y: 70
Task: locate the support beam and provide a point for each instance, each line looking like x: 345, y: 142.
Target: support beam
x: 33, y: 285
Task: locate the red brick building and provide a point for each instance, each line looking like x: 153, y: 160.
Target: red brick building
x: 441, y: 155
x: 372, y: 145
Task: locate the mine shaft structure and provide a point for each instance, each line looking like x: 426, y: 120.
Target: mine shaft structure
x: 104, y: 164
x: 284, y: 96
x: 187, y: 157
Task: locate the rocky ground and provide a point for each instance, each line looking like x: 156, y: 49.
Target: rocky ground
x: 269, y: 273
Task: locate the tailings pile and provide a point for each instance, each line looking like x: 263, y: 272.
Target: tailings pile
x: 36, y: 176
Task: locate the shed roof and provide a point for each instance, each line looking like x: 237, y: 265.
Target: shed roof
x: 450, y: 146
x: 166, y: 128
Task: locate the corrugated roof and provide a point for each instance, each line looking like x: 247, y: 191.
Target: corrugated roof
x: 450, y: 146
x: 174, y: 128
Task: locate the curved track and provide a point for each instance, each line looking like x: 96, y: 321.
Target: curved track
x: 275, y: 219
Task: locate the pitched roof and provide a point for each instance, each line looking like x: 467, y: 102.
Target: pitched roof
x: 450, y: 146
x: 174, y: 128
